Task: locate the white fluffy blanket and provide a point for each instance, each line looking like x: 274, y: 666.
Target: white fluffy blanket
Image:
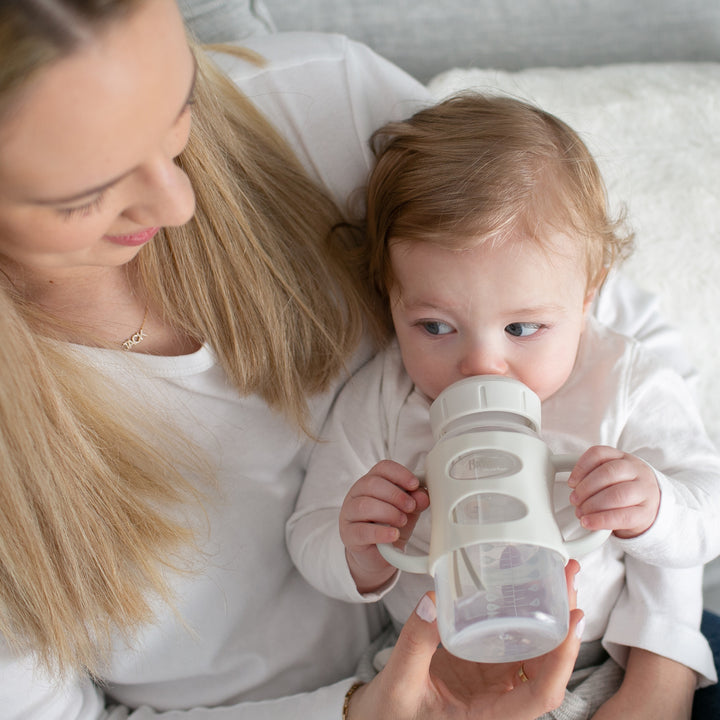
x: 655, y: 132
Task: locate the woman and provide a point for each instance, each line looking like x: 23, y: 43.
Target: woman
x: 175, y: 323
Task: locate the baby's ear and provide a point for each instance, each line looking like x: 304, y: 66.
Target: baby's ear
x: 589, y: 297
x: 594, y: 285
x: 588, y: 301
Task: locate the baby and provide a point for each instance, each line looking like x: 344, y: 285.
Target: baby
x: 489, y: 237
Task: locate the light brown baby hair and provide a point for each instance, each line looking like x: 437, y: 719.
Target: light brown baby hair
x: 477, y: 168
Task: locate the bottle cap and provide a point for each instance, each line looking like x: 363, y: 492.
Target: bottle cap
x: 461, y: 403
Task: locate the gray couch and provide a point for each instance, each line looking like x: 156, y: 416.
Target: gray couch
x: 426, y: 37
x: 647, y: 71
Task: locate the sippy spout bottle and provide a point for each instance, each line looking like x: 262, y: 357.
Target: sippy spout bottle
x: 496, y: 551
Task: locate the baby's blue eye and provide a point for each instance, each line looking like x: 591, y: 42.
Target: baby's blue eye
x: 522, y: 329
x: 436, y: 327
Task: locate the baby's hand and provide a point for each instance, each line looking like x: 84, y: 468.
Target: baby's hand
x: 381, y: 507
x: 614, y: 490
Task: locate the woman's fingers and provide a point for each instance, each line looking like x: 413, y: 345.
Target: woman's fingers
x: 413, y: 652
x: 541, y: 682
x: 571, y: 570
x: 541, y: 685
x: 399, y: 691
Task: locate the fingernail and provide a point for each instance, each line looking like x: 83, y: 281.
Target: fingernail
x: 580, y: 628
x: 575, y: 587
x: 426, y: 610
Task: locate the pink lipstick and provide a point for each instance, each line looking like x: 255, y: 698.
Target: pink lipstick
x: 134, y: 239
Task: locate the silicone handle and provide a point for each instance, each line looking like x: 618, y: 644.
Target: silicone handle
x: 592, y: 539
x: 409, y: 563
x: 576, y: 548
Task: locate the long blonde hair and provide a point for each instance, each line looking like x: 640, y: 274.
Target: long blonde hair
x: 477, y: 168
x: 91, y: 513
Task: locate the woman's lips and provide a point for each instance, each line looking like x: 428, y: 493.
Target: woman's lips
x: 133, y: 239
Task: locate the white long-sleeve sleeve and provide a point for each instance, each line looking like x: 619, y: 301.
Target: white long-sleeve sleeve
x: 27, y: 693
x: 354, y: 438
x: 659, y: 610
x: 665, y: 429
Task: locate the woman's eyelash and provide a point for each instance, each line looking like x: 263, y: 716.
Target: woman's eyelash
x: 81, y: 211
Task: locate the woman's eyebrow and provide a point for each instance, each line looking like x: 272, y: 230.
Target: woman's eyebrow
x: 101, y: 188
x: 81, y: 195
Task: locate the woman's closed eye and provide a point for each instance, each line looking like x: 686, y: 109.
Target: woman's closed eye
x: 435, y: 327
x: 84, y: 209
x: 522, y: 329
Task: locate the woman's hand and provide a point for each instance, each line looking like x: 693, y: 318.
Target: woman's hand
x: 423, y: 681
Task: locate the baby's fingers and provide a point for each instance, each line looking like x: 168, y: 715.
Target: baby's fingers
x: 367, y: 509
x: 395, y: 473
x: 362, y: 535
x: 390, y: 482
x: 625, y: 520
x: 590, y: 460
x: 383, y: 503
x: 622, y: 493
x: 617, y: 482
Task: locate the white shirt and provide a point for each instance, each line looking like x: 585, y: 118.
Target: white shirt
x: 617, y: 395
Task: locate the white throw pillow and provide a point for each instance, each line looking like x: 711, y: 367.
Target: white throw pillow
x: 654, y: 130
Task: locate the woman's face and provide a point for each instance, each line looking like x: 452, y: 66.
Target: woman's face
x: 87, y: 172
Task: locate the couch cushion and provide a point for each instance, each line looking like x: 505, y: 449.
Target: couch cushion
x: 426, y: 36
x: 224, y: 21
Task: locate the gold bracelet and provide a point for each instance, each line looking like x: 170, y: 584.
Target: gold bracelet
x: 348, y: 695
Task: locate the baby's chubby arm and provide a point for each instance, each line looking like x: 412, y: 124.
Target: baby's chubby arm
x: 614, y: 490
x: 381, y: 507
x: 653, y: 687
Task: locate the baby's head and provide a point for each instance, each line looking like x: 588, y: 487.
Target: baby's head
x: 496, y: 203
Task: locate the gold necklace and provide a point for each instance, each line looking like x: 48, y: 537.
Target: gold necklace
x: 137, y: 337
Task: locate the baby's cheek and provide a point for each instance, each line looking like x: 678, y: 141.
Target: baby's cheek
x: 548, y: 378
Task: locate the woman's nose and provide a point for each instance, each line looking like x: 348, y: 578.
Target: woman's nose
x: 164, y: 195
x: 483, y: 360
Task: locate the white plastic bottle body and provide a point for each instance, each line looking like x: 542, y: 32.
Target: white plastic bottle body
x: 501, y: 602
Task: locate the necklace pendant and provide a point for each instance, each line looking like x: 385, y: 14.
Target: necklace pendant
x: 133, y: 340
x: 136, y: 337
